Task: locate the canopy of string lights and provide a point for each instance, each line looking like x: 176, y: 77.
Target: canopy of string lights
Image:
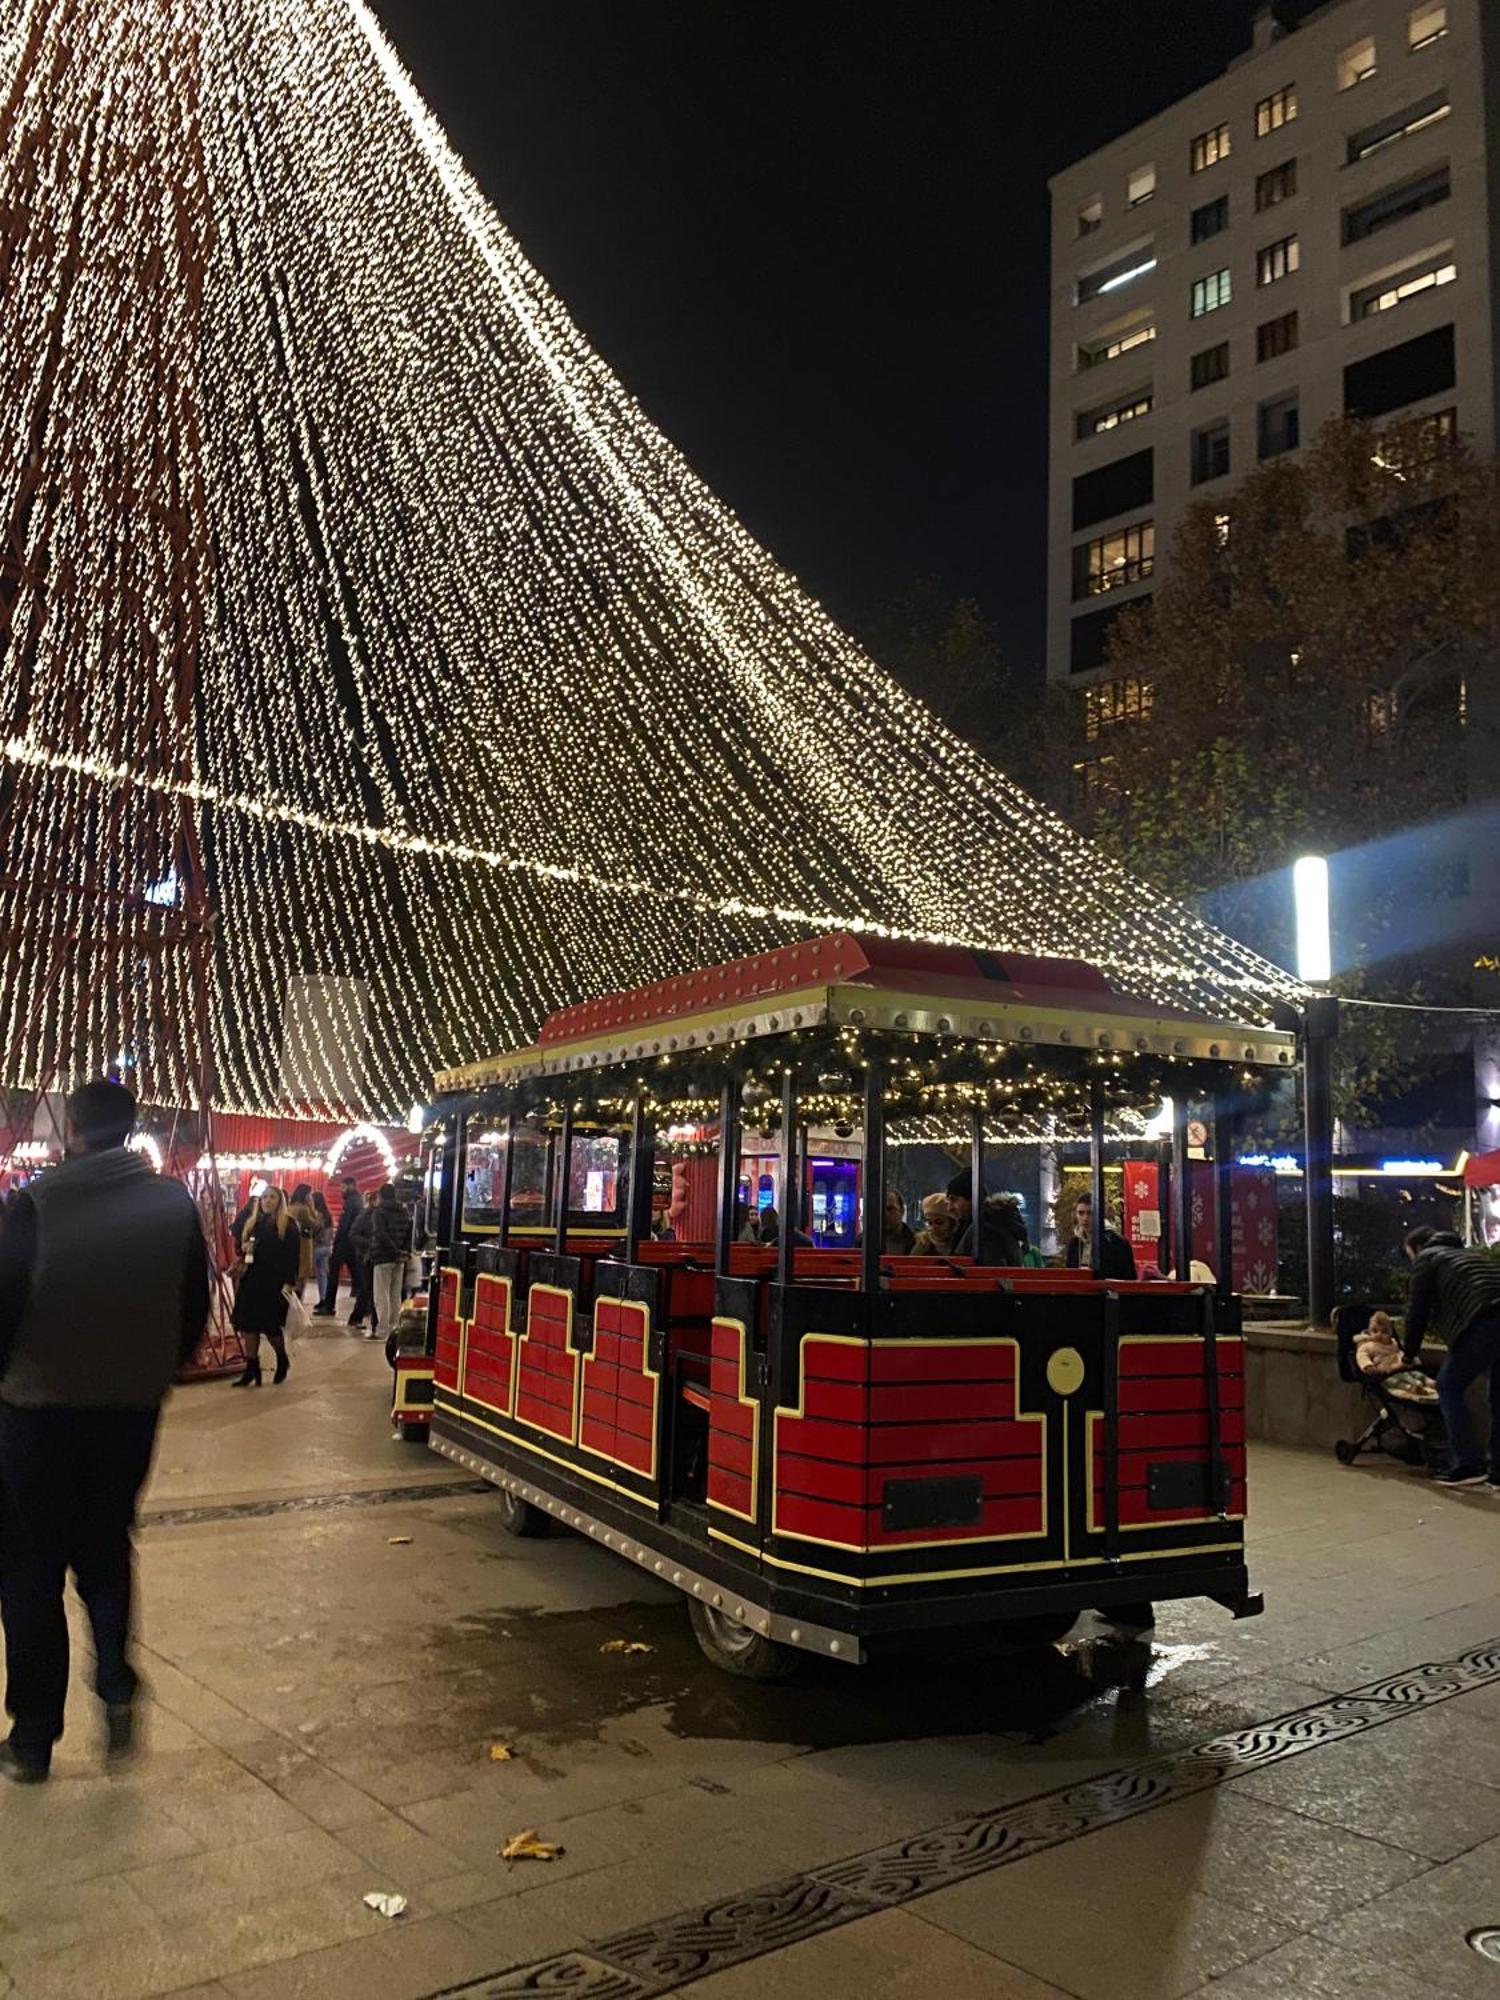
x: 374, y: 676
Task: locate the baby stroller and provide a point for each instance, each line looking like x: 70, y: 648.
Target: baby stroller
x: 1404, y: 1427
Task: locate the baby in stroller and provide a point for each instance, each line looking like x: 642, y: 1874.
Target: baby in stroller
x: 1407, y: 1423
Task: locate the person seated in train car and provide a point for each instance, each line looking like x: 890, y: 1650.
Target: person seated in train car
x: 899, y: 1234
x: 1117, y: 1259
x: 935, y: 1237
x: 1002, y: 1236
x: 770, y: 1229
x: 745, y: 1230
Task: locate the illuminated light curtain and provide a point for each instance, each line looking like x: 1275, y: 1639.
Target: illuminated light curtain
x: 349, y: 596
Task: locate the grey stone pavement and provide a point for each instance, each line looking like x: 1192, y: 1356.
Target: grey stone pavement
x: 326, y: 1682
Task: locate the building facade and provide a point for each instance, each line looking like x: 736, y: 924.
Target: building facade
x: 1313, y: 232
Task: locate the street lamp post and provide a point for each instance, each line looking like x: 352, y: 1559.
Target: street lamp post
x: 1319, y: 1024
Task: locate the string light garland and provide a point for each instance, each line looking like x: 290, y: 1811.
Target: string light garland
x: 359, y: 622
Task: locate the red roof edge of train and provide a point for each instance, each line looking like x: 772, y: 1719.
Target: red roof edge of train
x: 836, y: 959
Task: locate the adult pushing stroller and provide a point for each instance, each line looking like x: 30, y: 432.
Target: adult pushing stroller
x: 1407, y: 1423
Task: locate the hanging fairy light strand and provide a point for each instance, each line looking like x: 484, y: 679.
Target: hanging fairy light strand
x: 327, y: 536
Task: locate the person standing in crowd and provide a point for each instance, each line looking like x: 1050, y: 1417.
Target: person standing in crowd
x: 1117, y: 1259
x: 1455, y: 1293
x: 389, y: 1246
x: 104, y: 1294
x: 322, y: 1241
x: 935, y: 1237
x: 270, y: 1250
x: 303, y: 1215
x: 342, y: 1257
x: 1002, y: 1236
x: 899, y: 1234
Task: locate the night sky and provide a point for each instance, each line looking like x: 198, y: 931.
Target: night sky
x: 811, y: 236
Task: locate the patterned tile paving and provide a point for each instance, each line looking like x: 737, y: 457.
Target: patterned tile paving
x: 660, y: 1957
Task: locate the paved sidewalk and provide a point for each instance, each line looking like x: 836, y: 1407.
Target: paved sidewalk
x: 329, y: 1672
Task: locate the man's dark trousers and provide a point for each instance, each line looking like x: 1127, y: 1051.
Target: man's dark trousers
x: 342, y: 1259
x: 69, y: 1480
x: 1473, y: 1351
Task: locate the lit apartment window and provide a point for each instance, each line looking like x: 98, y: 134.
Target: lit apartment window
x: 1108, y: 347
x: 1277, y: 260
x: 1221, y: 530
x: 1421, y: 440
x: 1140, y: 185
x: 1279, y: 109
x: 1395, y: 204
x: 1126, y: 556
x: 1277, y: 427
x: 1210, y: 293
x: 1117, y: 273
x: 1211, y: 364
x: 1111, y: 703
x: 1403, y: 285
x: 1276, y: 336
x: 1109, y: 417
x: 1094, y: 781
x: 1356, y: 63
x: 1209, y: 220
x: 1210, y: 452
x: 1276, y: 184
x: 1209, y: 147
x: 1091, y: 216
x: 1400, y: 125
x: 1426, y: 25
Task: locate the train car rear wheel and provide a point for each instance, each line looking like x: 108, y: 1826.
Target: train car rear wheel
x: 737, y: 1650
x: 1043, y: 1630
x: 519, y: 1517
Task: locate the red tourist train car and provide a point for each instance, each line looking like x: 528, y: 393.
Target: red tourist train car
x: 825, y: 1448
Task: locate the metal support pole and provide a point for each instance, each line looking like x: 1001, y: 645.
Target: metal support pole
x: 1320, y: 1025
x: 642, y: 1175
x: 729, y: 1171
x: 1224, y: 1185
x: 507, y: 1175
x: 564, y: 1180
x: 791, y: 1181
x: 1182, y: 1178
x: 976, y: 1177
x: 873, y: 1240
x: 1096, y: 1171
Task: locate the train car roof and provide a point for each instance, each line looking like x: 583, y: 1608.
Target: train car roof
x: 878, y: 983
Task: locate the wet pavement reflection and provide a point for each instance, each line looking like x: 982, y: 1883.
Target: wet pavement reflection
x: 550, y: 1673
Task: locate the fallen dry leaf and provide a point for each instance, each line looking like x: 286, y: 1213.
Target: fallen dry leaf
x: 385, y: 1904
x: 502, y: 1753
x: 397, y: 1541
x: 528, y: 1847
x: 626, y: 1646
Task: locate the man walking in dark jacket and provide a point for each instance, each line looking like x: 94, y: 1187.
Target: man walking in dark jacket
x: 104, y: 1292
x: 1455, y: 1293
x: 344, y: 1256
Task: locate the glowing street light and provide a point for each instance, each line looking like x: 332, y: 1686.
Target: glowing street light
x: 1314, y: 933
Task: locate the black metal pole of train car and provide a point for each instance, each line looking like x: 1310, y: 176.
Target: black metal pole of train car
x: 563, y: 1180
x: 642, y: 1177
x: 1096, y: 1170
x: 507, y: 1174
x: 791, y: 1169
x: 873, y: 1241
x: 1224, y: 1185
x: 1182, y: 1186
x: 976, y: 1175
x: 729, y: 1170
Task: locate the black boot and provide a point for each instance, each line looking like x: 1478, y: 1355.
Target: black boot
x: 250, y: 1379
x: 282, y: 1364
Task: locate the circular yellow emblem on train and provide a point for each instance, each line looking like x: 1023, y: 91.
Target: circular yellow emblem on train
x: 1065, y: 1371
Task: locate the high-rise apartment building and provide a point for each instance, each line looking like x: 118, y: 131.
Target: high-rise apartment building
x: 1313, y: 232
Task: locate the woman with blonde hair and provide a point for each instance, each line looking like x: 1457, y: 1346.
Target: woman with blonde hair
x: 270, y: 1252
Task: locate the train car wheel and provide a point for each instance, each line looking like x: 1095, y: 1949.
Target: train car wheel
x: 1044, y: 1630
x: 737, y: 1649
x: 1343, y: 1451
x: 519, y: 1517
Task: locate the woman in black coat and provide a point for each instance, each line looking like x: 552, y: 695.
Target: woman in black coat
x: 270, y: 1247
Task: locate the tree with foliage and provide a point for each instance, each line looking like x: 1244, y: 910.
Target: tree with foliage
x: 1321, y: 654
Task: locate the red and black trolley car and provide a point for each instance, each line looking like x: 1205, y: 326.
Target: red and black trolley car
x: 823, y: 1448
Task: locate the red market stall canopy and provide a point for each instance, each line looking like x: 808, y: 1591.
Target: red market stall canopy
x: 1482, y: 1170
